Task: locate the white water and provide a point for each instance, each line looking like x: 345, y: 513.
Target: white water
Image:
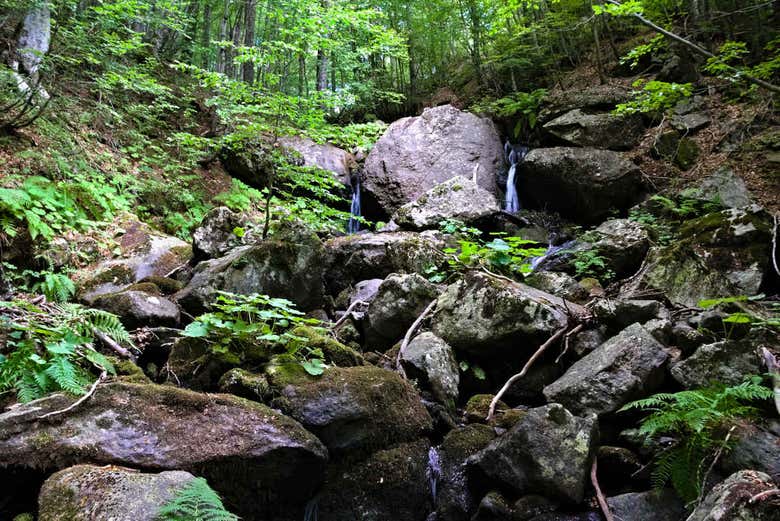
x: 433, y: 472
x: 515, y: 155
x: 354, y: 210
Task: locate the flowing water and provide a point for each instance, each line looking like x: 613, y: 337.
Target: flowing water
x: 433, y: 471
x: 515, y: 155
x: 354, y: 210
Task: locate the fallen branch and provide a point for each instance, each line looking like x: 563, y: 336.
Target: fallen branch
x: 81, y: 400
x: 599, y: 495
x: 765, y: 494
x: 566, y: 340
x: 410, y: 332
x: 111, y: 343
x: 347, y: 312
x: 539, y: 352
x: 774, y: 247
x: 773, y: 368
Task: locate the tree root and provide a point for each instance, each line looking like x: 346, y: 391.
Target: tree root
x: 410, y: 332
x: 599, y: 495
x: 81, y: 400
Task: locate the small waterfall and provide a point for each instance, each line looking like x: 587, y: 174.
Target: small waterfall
x: 551, y: 250
x: 433, y: 472
x: 312, y: 511
x: 354, y: 210
x: 515, y: 155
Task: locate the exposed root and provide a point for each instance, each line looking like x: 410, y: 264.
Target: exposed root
x: 774, y: 246
x: 81, y: 400
x: 410, y: 333
x: 599, y: 495
x: 345, y: 316
x: 110, y: 343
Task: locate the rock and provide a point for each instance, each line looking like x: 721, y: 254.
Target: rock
x: 595, y: 98
x: 457, y: 198
x: 622, y: 243
x: 398, y: 303
x: 216, y: 236
x: 143, y: 253
x: 728, y: 362
x: 588, y: 340
x: 390, y: 485
x: 619, y: 314
x: 486, y: 316
x: 249, y: 161
x: 476, y: 409
x: 363, y: 291
x: 548, y: 451
x: 730, y: 500
x: 431, y: 360
x: 624, y: 368
x: 139, y: 308
x: 723, y: 187
x: 493, y: 507
x: 87, y: 492
x: 691, y: 122
x: 353, y: 258
x: 269, y: 463
x: 647, y: 506
x: 621, y: 469
x: 531, y: 506
x: 415, y: 154
x: 717, y: 255
x: 193, y: 363
x: 584, y: 184
x: 682, y: 151
x: 352, y: 409
x: 757, y: 447
x: 578, y: 128
x: 686, y: 337
x: 680, y: 67
x: 558, y: 284
x: 288, y: 265
x: 334, y: 351
x: 454, y: 499
x: 245, y: 384
x: 324, y: 156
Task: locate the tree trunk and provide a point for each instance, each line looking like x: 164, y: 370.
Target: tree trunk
x: 222, y: 59
x: 249, y: 38
x: 205, y: 40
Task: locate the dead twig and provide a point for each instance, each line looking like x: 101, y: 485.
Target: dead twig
x: 345, y: 316
x: 712, y: 464
x: 410, y: 332
x: 78, y: 402
x: 774, y: 246
x: 599, y: 495
x: 567, y: 339
x: 539, y: 352
x: 111, y: 343
x: 765, y: 494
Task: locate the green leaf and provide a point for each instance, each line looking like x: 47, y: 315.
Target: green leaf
x: 314, y: 367
x: 196, y: 330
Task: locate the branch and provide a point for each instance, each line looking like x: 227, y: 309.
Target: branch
x: 410, y: 332
x: 81, y: 400
x: 111, y: 343
x: 774, y: 246
x: 599, y: 495
x: 765, y: 494
x: 346, y: 313
x: 700, y: 50
x: 524, y: 370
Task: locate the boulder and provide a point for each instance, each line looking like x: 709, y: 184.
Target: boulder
x: 595, y: 98
x: 548, y: 451
x: 582, y: 129
x: 353, y: 410
x: 681, y: 150
x: 353, y: 258
x: 559, y: 284
x: 457, y: 198
x: 730, y: 500
x: 486, y: 316
x: 756, y: 446
x: 431, y: 360
x: 399, y: 301
x: 618, y: 314
x: 270, y: 461
x: 87, y: 492
x: 584, y: 184
x: 727, y: 361
x: 690, y: 122
x: 624, y: 368
x: 622, y: 243
x: 143, y: 253
x: 245, y: 384
x: 723, y: 187
x: 34, y: 38
x: 216, y: 234
x: 322, y: 155
x: 287, y: 265
x: 417, y: 153
x: 139, y: 308
x: 655, y: 505
x: 493, y: 507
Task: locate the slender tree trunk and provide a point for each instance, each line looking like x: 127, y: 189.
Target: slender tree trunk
x: 249, y: 38
x: 222, y: 58
x: 597, y: 42
x: 205, y: 41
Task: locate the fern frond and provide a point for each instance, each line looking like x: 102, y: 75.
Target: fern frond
x: 195, y: 502
x: 65, y: 375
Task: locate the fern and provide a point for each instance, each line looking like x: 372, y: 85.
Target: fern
x: 56, y: 286
x: 195, y: 502
x: 697, y: 419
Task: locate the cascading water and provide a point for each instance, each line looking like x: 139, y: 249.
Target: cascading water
x: 515, y: 155
x: 433, y: 473
x: 354, y: 210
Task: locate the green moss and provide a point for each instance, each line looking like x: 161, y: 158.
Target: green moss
x: 477, y: 408
x: 24, y: 517
x: 164, y: 284
x: 335, y: 352
x: 465, y: 441
x: 145, y: 287
x: 41, y: 440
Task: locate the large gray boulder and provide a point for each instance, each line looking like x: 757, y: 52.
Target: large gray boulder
x: 486, y: 316
x: 288, y: 265
x: 34, y: 38
x: 216, y: 234
x: 417, y: 153
x: 457, y: 198
x: 731, y: 499
x: 656, y: 505
x: 582, y: 129
x: 756, y: 446
x: 245, y: 450
x: 584, y: 184
x: 624, y: 368
x: 548, y: 451
x: 595, y: 98
x: 87, y: 492
x: 353, y: 410
x: 324, y: 156
x: 399, y: 301
x: 139, y: 308
x: 430, y: 360
x: 727, y: 361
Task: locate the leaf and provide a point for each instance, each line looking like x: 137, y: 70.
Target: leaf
x: 314, y: 367
x: 196, y: 330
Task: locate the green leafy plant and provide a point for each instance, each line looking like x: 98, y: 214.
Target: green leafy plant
x: 521, y: 105
x: 655, y: 97
x: 507, y: 255
x: 51, y: 348
x: 590, y: 263
x: 195, y: 502
x: 256, y: 326
x: 635, y: 55
x: 699, y: 421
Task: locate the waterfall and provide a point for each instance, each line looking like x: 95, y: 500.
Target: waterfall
x: 433, y: 472
x: 354, y: 210
x: 515, y: 155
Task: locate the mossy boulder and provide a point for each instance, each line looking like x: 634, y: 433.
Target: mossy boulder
x: 727, y: 361
x: 604, y: 130
x: 247, y: 385
x: 136, y: 308
x: 334, y: 351
x: 87, y: 492
x: 255, y: 457
x: 195, y: 364
x: 353, y: 410
x: 431, y: 361
x: 682, y: 151
x: 216, y: 236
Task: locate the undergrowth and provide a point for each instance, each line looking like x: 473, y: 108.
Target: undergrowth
x: 195, y: 502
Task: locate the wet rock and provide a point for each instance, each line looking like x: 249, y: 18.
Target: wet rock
x: 727, y: 361
x: 730, y: 500
x: 493, y: 507
x: 322, y: 155
x: 579, y: 128
x: 584, y: 184
x: 417, y: 153
x: 587, y: 340
x: 87, y: 492
x: 624, y: 368
x: 270, y: 463
x: 647, y: 506
x: 531, y: 506
x: 353, y: 409
x: 720, y: 254
x: 363, y: 291
x: 216, y: 234
x: 431, y: 360
x: 399, y: 301
x: 622, y: 243
x: 245, y: 384
x: 353, y: 258
x: 288, y: 265
x: 757, y: 447
x: 457, y: 198
x: 483, y: 315
x: 390, y: 485
x: 548, y: 451
x: 139, y: 308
